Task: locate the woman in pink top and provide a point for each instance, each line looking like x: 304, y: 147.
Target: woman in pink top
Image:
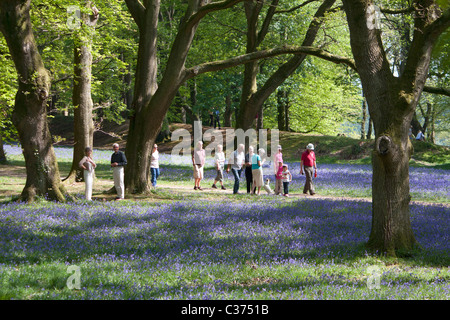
x: 277, y: 158
x: 198, y: 160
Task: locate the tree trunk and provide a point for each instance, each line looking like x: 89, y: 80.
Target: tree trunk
x: 260, y: 121
x: 281, y: 96
x: 287, y: 118
x: 228, y: 112
x: 127, y: 94
x: 2, y: 152
x: 138, y: 149
x: 369, y: 129
x: 155, y: 99
x: 180, y: 103
x: 247, y: 114
x: 251, y: 98
x: 431, y: 133
x: 392, y: 102
x: 30, y: 110
x: 193, y: 100
x: 81, y: 97
x: 363, y: 120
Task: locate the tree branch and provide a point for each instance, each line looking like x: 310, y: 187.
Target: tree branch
x: 296, y: 7
x: 137, y: 11
x: 267, y: 20
x: 285, y: 70
x: 439, y: 25
x: 397, y: 11
x: 263, y: 54
x: 211, y: 7
x: 228, y: 26
x: 434, y: 90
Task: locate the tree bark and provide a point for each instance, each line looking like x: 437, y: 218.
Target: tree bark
x: 228, y: 112
x: 363, y: 120
x: 431, y: 133
x: 30, y: 110
x: 369, y: 129
x: 281, y: 96
x: 81, y: 97
x: 138, y: 148
x: 287, y: 118
x: 260, y: 120
x: 392, y: 101
x: 2, y: 152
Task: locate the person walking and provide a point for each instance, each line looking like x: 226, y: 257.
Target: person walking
x: 279, y: 179
x: 154, y: 165
x: 198, y: 161
x: 248, y: 169
x: 308, y: 163
x: 286, y: 178
x: 216, y: 118
x: 219, y: 162
x: 235, y: 163
x: 118, y: 161
x: 257, y: 172
x: 88, y: 165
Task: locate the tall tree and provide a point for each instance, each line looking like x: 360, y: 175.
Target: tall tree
x: 30, y: 114
x: 392, y: 101
x: 253, y: 98
x: 152, y: 100
x: 2, y: 151
x: 81, y: 98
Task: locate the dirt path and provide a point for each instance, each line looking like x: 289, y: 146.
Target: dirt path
x: 13, y: 186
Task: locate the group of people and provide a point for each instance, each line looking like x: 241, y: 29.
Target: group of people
x: 251, y: 163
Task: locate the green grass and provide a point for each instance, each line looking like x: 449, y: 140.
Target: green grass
x: 336, y: 281
x: 337, y: 277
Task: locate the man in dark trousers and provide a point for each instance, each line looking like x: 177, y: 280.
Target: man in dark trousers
x: 118, y: 161
x: 216, y: 118
x: 308, y: 162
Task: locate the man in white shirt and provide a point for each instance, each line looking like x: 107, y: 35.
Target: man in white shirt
x: 154, y: 164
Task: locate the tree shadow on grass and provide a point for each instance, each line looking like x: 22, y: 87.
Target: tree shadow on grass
x: 216, y: 233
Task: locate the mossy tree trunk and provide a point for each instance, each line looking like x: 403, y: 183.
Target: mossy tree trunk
x: 2, y: 152
x: 81, y: 97
x: 392, y: 101
x: 29, y: 114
